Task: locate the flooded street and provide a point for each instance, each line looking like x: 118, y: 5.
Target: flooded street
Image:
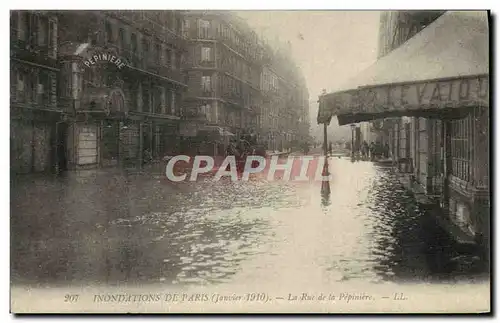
x: 105, y: 227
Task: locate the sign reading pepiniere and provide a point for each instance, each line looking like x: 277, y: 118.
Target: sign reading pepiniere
x: 120, y: 63
x: 384, y: 99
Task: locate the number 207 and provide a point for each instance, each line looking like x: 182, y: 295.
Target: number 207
x: 71, y: 298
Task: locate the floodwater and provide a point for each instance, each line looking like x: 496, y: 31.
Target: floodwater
x: 110, y: 227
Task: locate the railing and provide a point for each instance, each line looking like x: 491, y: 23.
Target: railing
x: 195, y: 114
x: 205, y: 63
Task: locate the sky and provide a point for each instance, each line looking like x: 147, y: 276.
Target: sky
x: 329, y: 46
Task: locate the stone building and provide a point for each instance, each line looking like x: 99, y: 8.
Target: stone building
x: 285, y: 106
x: 121, y: 85
x: 34, y: 110
x: 238, y: 85
x: 223, y: 76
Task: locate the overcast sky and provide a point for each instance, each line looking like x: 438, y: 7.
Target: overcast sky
x: 329, y: 46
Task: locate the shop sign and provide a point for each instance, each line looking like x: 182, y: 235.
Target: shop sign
x: 105, y: 57
x: 437, y: 94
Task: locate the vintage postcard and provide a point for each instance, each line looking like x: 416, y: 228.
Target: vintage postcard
x: 189, y: 161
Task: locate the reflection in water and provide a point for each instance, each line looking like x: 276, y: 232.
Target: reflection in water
x: 325, y: 194
x: 115, y: 228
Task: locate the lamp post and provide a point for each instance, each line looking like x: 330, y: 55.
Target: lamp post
x: 353, y: 128
x: 325, y: 140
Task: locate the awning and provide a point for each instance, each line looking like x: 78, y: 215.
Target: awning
x: 444, y: 66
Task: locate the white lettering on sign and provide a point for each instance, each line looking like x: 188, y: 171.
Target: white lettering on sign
x: 105, y: 57
x: 404, y: 97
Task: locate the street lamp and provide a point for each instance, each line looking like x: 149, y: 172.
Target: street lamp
x: 353, y: 128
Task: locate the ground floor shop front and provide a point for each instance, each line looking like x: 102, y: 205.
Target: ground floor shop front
x: 114, y: 141
x: 446, y: 162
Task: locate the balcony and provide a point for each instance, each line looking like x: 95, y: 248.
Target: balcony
x: 152, y: 66
x: 195, y: 115
x: 208, y: 93
x: 34, y: 53
x: 205, y: 64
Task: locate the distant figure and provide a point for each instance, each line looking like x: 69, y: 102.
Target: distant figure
x: 386, y: 150
x: 330, y: 148
x: 365, y: 149
x: 372, y: 150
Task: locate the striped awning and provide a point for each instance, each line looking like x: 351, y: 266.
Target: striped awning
x: 445, y: 66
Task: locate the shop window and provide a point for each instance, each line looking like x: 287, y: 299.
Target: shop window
x: 460, y: 148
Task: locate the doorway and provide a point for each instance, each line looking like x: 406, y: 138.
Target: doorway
x: 61, y: 147
x: 110, y: 143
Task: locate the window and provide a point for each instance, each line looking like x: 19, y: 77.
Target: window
x: 205, y: 109
x: 145, y: 98
x: 460, y: 148
x: 206, y: 54
x: 174, y: 61
x: 121, y: 38
x: 14, y: 21
x: 23, y: 24
x: 133, y: 43
x: 52, y: 38
x: 109, y: 32
x: 157, y: 106
x: 31, y: 87
x: 42, y: 32
x: 171, y: 20
x: 158, y: 54
x: 179, y: 61
x: 145, y: 48
x: 172, y: 102
x: 179, y: 24
x: 168, y: 57
x: 204, y: 29
x: 206, y: 85
x: 43, y: 89
x: 186, y: 27
x: 20, y: 85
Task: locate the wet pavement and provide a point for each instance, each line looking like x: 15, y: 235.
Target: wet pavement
x: 112, y: 227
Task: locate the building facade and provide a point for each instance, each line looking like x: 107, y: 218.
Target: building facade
x: 34, y: 110
x: 121, y: 85
x: 223, y: 75
x: 447, y: 157
x: 125, y: 87
x: 241, y: 86
x: 285, y: 105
